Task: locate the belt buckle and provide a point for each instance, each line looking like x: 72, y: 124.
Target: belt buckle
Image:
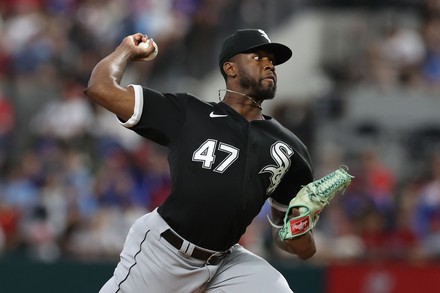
x: 215, y: 258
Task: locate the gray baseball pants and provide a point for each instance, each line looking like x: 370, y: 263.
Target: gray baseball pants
x: 148, y: 263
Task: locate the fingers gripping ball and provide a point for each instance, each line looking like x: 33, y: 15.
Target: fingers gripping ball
x: 310, y: 201
x: 146, y: 45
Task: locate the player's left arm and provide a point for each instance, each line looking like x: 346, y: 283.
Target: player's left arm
x: 303, y: 246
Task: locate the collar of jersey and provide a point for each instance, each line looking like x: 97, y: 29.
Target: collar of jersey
x: 236, y: 115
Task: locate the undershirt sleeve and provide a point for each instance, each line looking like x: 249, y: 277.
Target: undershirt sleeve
x: 138, y: 105
x: 273, y: 203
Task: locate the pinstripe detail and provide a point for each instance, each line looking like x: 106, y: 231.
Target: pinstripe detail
x: 135, y: 262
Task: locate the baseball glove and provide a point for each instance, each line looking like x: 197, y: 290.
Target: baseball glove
x: 310, y: 201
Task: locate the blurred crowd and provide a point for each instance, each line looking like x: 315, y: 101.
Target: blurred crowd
x: 391, y: 211
x: 72, y: 180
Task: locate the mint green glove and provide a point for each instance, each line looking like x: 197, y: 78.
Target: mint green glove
x: 310, y: 201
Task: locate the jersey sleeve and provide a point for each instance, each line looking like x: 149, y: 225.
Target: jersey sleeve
x: 156, y: 116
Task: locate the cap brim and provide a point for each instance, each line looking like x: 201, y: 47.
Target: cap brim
x: 281, y: 52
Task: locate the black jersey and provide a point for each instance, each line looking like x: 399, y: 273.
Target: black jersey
x: 223, y: 168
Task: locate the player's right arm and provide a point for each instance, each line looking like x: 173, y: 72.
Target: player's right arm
x: 104, y: 86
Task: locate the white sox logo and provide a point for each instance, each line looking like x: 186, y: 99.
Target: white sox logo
x: 281, y: 153
x: 263, y: 33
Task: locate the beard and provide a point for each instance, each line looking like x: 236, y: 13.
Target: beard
x: 257, y: 91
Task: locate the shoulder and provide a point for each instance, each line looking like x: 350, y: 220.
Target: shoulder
x: 194, y: 102
x: 284, y: 132
x: 191, y: 99
x: 286, y: 135
x: 154, y: 96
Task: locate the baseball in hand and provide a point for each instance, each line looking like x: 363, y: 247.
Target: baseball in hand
x: 145, y: 45
x: 303, y: 210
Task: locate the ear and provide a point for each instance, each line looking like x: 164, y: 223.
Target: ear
x: 229, y: 68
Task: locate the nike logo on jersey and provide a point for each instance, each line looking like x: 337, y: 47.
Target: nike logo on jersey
x: 212, y: 115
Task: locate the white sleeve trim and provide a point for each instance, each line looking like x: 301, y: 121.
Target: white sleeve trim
x: 277, y: 205
x: 138, y: 107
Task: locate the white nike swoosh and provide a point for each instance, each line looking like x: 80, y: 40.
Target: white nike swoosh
x: 212, y: 115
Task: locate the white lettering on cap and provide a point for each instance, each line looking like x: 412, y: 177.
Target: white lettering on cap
x: 263, y: 33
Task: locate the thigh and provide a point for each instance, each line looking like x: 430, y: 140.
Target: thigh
x: 150, y: 264
x: 243, y: 271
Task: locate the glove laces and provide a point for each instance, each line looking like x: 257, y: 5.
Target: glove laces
x: 324, y: 189
x: 328, y: 186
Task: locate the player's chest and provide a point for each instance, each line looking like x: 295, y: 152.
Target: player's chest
x: 231, y: 146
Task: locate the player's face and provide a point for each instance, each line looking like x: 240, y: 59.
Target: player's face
x: 257, y: 75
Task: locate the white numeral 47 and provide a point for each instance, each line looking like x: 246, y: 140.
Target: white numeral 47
x: 206, y: 154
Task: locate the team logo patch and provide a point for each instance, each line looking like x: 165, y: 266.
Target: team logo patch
x: 281, y: 153
x: 300, y: 225
x: 263, y: 34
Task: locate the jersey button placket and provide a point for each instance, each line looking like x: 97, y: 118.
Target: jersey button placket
x: 252, y: 148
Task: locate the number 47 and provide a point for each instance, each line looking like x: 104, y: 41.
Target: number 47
x: 206, y: 154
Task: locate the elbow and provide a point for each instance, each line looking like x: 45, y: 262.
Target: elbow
x: 93, y: 92
x: 306, y: 253
x: 86, y: 92
x: 90, y: 91
x: 306, y: 248
x: 303, y: 246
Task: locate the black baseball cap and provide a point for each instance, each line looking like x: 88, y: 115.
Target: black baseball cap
x: 248, y: 40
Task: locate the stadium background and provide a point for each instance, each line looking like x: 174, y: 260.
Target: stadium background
x: 362, y: 89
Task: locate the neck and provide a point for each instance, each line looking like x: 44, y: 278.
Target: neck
x: 254, y: 102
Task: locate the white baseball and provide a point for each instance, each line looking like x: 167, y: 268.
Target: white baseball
x: 145, y: 45
x: 303, y: 210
